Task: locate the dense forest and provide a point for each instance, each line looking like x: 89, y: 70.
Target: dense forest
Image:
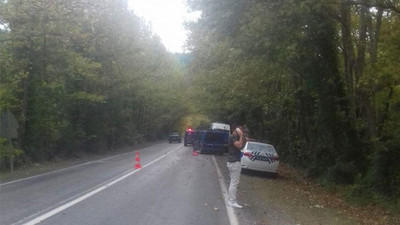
x: 320, y: 80
x: 83, y: 75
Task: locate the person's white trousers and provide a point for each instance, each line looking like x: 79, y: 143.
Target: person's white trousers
x: 234, y: 172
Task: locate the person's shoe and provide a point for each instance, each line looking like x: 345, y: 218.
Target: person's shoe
x: 234, y: 204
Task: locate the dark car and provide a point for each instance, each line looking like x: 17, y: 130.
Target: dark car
x: 190, y: 137
x: 174, y: 137
x: 211, y: 141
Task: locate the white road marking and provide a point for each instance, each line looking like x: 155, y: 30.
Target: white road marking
x: 87, y: 195
x: 44, y: 174
x: 233, y: 220
x: 67, y: 168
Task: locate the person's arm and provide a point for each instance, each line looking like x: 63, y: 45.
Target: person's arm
x: 239, y: 144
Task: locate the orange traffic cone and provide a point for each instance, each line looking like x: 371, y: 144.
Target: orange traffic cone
x: 137, y: 161
x: 194, y: 153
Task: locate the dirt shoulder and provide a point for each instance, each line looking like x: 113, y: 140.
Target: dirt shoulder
x: 290, y: 199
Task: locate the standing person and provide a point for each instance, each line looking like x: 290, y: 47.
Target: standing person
x: 235, y: 144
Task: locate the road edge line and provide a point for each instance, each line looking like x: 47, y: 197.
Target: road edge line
x: 66, y: 168
x: 233, y: 220
x: 87, y: 195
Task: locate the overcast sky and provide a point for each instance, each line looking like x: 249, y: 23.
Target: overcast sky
x: 166, y: 18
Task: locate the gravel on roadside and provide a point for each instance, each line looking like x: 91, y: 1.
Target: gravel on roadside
x: 290, y: 199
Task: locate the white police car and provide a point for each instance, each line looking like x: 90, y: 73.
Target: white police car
x: 259, y: 156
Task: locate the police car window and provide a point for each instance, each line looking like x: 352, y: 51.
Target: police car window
x: 260, y: 148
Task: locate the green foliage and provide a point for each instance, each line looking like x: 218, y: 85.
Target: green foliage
x: 85, y: 76
x: 8, y: 153
x: 288, y: 70
x: 386, y: 170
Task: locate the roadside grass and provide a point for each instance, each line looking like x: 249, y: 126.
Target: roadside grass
x: 367, y: 207
x: 37, y: 168
x: 362, y: 197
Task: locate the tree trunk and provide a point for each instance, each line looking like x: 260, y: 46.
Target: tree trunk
x: 364, y: 93
x: 25, y: 89
x: 385, y: 114
x: 374, y: 34
x: 361, y: 42
x: 11, y: 156
x: 348, y: 54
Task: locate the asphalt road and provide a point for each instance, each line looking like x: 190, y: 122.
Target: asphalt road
x: 173, y: 187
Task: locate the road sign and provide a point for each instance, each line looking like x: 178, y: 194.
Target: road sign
x: 8, y: 125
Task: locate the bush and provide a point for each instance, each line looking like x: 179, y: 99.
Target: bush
x: 386, y: 170
x: 8, y: 154
x: 342, y: 173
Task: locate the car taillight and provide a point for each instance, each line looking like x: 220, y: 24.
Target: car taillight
x: 248, y: 154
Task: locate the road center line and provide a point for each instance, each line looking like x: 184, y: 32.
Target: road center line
x: 87, y: 195
x: 233, y: 220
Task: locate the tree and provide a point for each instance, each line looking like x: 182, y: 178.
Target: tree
x: 84, y: 75
x: 307, y: 76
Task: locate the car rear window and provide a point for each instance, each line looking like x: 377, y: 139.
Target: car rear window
x: 260, y: 147
x: 215, y: 137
